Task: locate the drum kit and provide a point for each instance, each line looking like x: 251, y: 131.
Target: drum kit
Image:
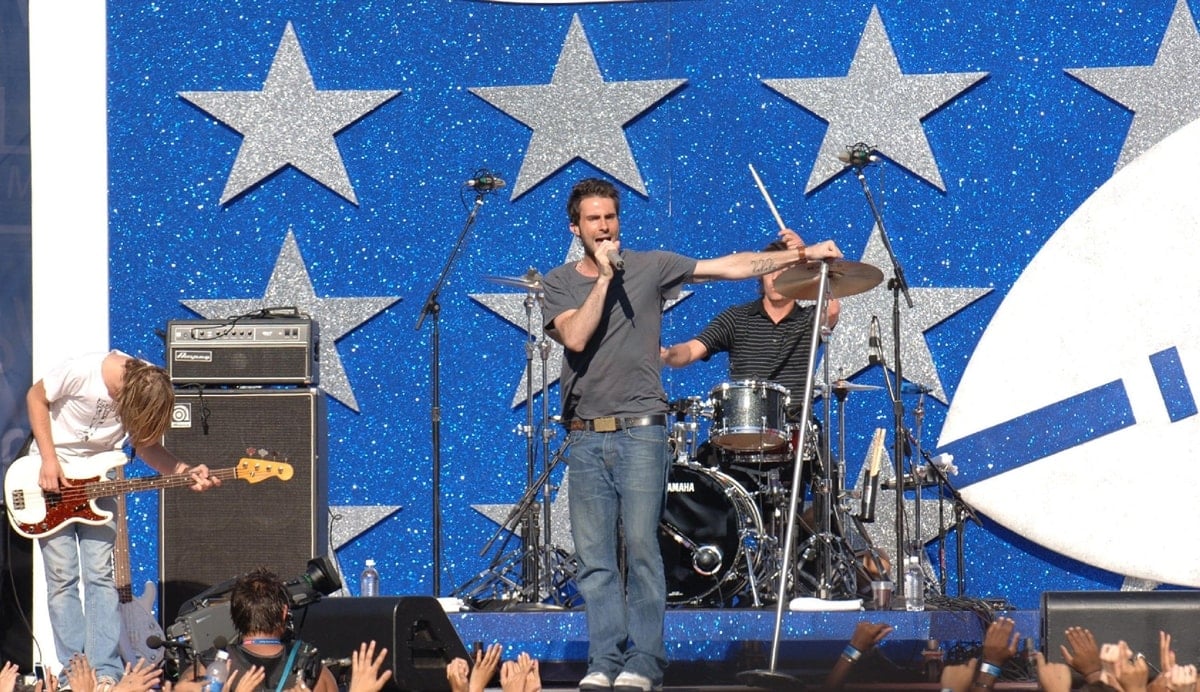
x: 725, y: 523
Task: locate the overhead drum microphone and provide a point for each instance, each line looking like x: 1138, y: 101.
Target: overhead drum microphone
x: 858, y: 154
x: 484, y: 181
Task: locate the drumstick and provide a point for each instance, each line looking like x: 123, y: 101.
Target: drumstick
x: 762, y: 188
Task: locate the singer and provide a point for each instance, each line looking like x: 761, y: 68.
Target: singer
x: 613, y: 403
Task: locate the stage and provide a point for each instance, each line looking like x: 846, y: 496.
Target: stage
x: 710, y: 647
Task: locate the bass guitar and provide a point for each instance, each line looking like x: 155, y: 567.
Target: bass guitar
x: 34, y: 513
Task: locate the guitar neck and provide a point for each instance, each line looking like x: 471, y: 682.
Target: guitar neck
x: 133, y: 485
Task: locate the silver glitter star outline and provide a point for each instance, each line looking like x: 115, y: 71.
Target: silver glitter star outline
x: 578, y: 115
x: 291, y: 285
x: 1164, y: 96
x: 877, y: 104
x: 931, y: 306
x: 510, y: 307
x: 288, y: 122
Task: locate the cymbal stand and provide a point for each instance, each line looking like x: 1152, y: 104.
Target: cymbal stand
x: 499, y: 578
x: 529, y: 523
x: 548, y: 432
x: 771, y: 677
x: 860, y: 158
x: 432, y: 308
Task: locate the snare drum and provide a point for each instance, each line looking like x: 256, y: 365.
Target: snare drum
x: 749, y: 416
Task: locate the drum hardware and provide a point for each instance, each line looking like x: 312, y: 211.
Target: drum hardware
x: 749, y: 415
x: 685, y: 430
x: 542, y: 565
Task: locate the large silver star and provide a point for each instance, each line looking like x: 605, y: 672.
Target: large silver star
x: 848, y: 354
x: 1164, y: 96
x: 291, y: 285
x: 289, y: 122
x: 578, y: 115
x: 512, y: 309
x: 875, y: 104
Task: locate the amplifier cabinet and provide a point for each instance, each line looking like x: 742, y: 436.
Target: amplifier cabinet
x: 243, y: 352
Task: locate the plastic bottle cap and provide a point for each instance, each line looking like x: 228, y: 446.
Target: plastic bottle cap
x: 222, y: 654
x: 370, y: 562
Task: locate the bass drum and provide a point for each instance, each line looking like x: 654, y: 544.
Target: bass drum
x: 709, y: 535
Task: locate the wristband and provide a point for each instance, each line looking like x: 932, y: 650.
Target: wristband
x: 947, y: 689
x: 852, y: 654
x: 989, y: 669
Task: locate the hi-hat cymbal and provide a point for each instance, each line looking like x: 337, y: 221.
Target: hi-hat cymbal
x: 530, y: 280
x: 846, y: 278
x: 846, y: 386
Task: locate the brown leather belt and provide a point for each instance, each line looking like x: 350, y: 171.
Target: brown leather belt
x: 613, y: 424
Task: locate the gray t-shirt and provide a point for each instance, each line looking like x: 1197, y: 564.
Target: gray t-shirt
x: 619, y: 371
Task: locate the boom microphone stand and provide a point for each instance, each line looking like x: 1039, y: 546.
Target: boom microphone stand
x: 859, y: 156
x: 483, y: 183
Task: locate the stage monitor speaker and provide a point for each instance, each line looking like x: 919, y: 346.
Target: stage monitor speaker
x: 419, y: 637
x: 1133, y: 616
x: 207, y: 538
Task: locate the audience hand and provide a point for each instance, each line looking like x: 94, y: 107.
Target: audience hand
x: 137, y: 678
x: 1131, y: 670
x: 457, y: 672
x: 868, y: 634
x: 1084, y: 655
x: 249, y: 681
x: 1053, y: 677
x: 1180, y: 678
x: 1000, y: 641
x: 8, y: 677
x: 486, y: 663
x: 1166, y: 655
x: 364, y: 669
x: 958, y: 676
x: 80, y: 674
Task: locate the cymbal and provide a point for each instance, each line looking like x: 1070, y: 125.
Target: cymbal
x: 844, y: 386
x: 530, y: 280
x: 846, y: 278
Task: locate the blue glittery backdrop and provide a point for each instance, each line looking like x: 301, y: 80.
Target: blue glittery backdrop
x: 1018, y: 151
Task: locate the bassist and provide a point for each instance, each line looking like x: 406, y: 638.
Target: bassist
x: 86, y: 406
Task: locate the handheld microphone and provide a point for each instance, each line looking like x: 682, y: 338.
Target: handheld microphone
x: 616, y: 260
x: 485, y: 182
x: 859, y: 154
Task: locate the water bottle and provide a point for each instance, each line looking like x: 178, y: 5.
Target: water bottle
x: 914, y: 584
x: 217, y: 672
x: 368, y: 583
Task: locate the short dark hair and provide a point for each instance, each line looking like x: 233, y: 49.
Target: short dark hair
x: 258, y: 602
x: 591, y: 187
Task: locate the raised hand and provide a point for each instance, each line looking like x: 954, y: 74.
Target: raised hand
x: 1084, y: 654
x: 486, y: 663
x: 364, y: 669
x: 456, y: 673
x: 959, y: 676
x: 8, y: 677
x: 1053, y: 677
x: 138, y: 678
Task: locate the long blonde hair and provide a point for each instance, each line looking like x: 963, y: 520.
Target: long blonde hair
x: 144, y: 401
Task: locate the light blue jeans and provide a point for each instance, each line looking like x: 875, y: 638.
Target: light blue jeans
x: 621, y: 477
x: 64, y: 553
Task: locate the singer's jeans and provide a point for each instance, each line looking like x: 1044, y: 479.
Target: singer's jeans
x: 620, y: 477
x: 63, y: 553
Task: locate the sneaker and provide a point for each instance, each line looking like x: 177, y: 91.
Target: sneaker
x: 595, y: 681
x: 632, y: 682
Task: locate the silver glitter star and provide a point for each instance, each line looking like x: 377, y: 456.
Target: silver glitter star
x: 289, y: 122
x: 876, y: 104
x: 291, y: 285
x: 578, y: 115
x: 560, y: 516
x: 1164, y: 96
x: 930, y: 307
x: 511, y: 308
x: 351, y: 521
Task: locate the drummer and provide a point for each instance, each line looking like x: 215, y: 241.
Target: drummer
x: 767, y: 339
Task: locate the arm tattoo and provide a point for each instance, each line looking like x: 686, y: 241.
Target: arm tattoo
x: 762, y: 266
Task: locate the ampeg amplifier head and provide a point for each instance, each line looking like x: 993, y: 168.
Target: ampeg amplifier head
x: 243, y: 352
